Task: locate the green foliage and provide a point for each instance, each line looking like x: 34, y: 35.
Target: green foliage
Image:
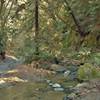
x: 88, y: 71
x: 58, y: 33
x: 96, y: 58
x: 26, y: 50
x: 45, y: 56
x: 84, y: 54
x: 93, y: 57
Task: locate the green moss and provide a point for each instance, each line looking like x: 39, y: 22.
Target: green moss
x: 88, y: 71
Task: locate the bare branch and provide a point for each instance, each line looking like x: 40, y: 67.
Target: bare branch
x: 74, y: 18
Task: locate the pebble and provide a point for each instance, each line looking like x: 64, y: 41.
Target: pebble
x: 56, y: 85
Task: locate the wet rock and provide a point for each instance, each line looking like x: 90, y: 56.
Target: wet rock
x: 72, y: 96
x: 58, y: 68
x: 68, y: 90
x: 60, y: 89
x: 73, y: 75
x: 73, y: 68
x: 50, y: 84
x: 56, y: 85
x: 67, y: 98
x: 90, y: 96
x: 82, y: 85
x: 71, y: 72
x: 48, y: 81
x: 66, y: 73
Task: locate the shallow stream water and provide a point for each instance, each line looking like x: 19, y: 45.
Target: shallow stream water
x: 30, y: 91
x: 35, y: 90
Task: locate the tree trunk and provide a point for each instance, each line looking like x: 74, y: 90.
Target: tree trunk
x: 36, y: 27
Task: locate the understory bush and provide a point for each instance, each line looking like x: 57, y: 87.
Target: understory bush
x: 88, y: 71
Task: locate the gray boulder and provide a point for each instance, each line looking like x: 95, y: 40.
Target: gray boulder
x: 10, y: 62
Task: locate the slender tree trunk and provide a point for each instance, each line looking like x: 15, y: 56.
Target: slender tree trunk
x: 36, y: 26
x: 4, y: 14
x: 2, y: 52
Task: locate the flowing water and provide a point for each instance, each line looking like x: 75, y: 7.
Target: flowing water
x: 33, y: 90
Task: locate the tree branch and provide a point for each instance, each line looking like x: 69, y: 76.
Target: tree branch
x: 75, y: 19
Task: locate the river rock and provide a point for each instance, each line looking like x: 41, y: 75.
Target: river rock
x: 82, y: 85
x: 88, y: 90
x: 90, y: 96
x: 72, y: 96
x: 66, y: 73
x: 73, y: 75
x: 50, y: 84
x: 10, y: 62
x: 56, y: 85
x: 67, y: 98
x: 58, y: 68
x: 73, y: 68
x: 48, y: 81
x: 59, y: 89
x: 68, y: 90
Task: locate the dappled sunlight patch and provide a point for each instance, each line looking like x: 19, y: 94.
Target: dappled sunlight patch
x: 2, y: 82
x: 11, y: 79
x: 13, y: 71
x: 9, y: 72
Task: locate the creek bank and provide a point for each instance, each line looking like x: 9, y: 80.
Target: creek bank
x: 85, y: 91
x: 58, y: 84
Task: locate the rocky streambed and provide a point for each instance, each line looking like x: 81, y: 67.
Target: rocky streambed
x: 48, y: 90
x: 60, y: 86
